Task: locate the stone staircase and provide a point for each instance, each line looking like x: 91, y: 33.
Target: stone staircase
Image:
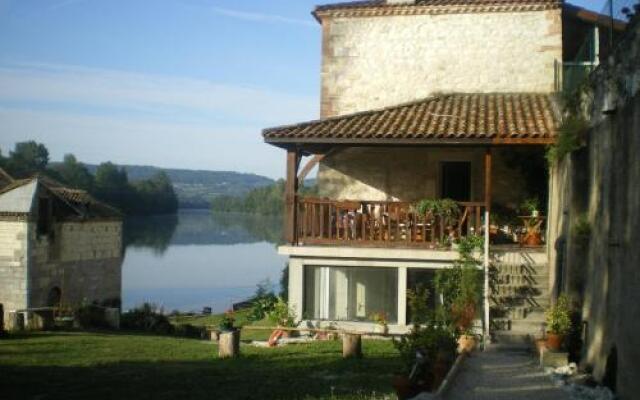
x: 519, y: 295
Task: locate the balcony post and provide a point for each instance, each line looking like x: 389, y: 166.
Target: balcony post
x: 290, y: 196
x: 487, y: 212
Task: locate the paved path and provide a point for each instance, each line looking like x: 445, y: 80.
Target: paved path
x: 501, y: 374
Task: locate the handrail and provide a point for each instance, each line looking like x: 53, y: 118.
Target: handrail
x: 381, y: 223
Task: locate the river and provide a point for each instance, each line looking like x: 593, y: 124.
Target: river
x: 199, y: 259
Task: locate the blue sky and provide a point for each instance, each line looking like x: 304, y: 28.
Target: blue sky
x: 172, y: 83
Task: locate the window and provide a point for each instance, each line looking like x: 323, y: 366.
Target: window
x: 44, y: 216
x: 350, y: 293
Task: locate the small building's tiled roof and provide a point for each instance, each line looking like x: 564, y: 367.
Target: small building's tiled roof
x: 18, y: 197
x: 498, y: 118
x: 381, y: 7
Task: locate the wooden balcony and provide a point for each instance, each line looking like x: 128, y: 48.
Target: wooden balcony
x: 381, y: 223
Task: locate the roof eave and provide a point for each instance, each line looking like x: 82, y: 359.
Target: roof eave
x: 288, y: 142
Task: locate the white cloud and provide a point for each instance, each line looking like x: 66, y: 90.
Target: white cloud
x: 137, y: 92
x: 260, y: 17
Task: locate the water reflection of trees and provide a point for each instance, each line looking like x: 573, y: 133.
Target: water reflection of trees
x: 153, y: 232
x: 199, y: 227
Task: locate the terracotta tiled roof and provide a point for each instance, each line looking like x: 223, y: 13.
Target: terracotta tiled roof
x: 81, y: 201
x: 380, y: 7
x: 453, y: 118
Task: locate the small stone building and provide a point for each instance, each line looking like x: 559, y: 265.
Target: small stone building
x: 58, y: 246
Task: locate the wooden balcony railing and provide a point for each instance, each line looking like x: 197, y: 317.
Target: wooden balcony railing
x: 381, y: 223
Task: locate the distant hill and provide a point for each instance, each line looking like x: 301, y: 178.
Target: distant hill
x: 196, y: 188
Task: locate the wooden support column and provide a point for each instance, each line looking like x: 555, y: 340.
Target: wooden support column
x: 290, y: 194
x: 487, y: 178
x: 487, y: 212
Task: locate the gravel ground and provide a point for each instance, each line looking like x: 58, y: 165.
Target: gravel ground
x: 498, y: 374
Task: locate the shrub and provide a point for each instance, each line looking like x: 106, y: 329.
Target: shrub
x: 569, y: 139
x: 282, y: 315
x: 190, y: 331
x: 417, y: 301
x: 91, y: 316
x: 146, y: 318
x: 559, y: 316
x: 435, y: 342
x: 262, y: 306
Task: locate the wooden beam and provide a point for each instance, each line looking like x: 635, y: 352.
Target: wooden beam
x: 290, y: 194
x: 315, y: 160
x: 487, y: 178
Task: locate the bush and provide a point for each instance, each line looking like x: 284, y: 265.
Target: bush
x: 146, y: 318
x: 91, y: 316
x: 190, y: 331
x: 434, y: 342
x: 282, y: 315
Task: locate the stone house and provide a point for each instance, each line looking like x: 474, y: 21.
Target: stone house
x: 426, y: 99
x: 58, y: 246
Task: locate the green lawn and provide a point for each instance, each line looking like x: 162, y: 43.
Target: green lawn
x: 60, y: 365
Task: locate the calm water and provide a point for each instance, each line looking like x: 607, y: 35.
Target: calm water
x: 198, y: 259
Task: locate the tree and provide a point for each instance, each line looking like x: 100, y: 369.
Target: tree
x: 112, y: 185
x: 74, y: 173
x: 27, y: 158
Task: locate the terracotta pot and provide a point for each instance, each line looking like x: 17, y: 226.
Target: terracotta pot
x: 467, y: 343
x: 554, y: 341
x: 532, y: 239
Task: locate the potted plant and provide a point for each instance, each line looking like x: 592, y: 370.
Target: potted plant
x: 532, y: 206
x: 229, y: 338
x: 282, y: 316
x: 380, y: 319
x: 227, y: 322
x: 558, y: 318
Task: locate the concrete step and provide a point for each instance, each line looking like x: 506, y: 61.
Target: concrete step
x: 514, y: 313
x: 519, y: 291
x: 520, y: 301
x: 510, y: 338
x: 533, y: 326
x: 520, y: 256
x: 520, y: 279
x: 521, y: 269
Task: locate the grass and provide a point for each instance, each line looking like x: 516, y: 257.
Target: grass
x: 101, y: 365
x: 242, y: 320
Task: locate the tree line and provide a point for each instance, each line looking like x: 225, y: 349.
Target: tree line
x: 109, y: 184
x: 266, y: 200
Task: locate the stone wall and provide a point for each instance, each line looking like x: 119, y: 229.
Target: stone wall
x: 83, y: 260
x: 410, y: 174
x: 372, y: 62
x: 601, y: 183
x: 13, y: 265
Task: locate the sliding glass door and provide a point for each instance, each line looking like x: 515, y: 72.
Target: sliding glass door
x: 350, y: 293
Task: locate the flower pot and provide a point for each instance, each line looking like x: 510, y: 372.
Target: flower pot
x: 467, y: 343
x: 554, y: 341
x: 532, y: 239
